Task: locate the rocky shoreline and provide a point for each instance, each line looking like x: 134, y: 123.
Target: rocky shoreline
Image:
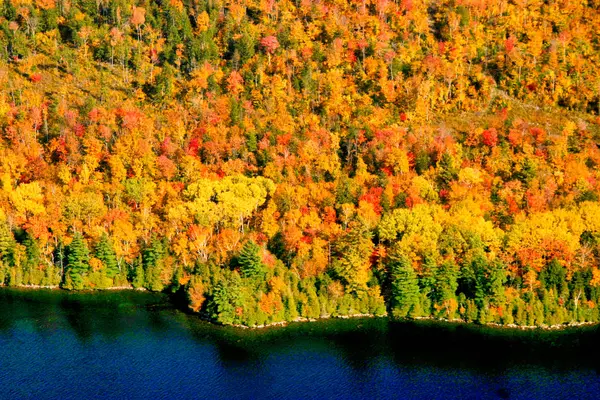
x: 57, y: 287
x: 544, y: 327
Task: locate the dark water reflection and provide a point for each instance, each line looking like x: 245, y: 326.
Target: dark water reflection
x: 135, y: 345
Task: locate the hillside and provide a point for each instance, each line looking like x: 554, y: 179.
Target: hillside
x: 276, y: 159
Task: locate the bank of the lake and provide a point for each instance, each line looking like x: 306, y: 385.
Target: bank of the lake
x: 183, y: 307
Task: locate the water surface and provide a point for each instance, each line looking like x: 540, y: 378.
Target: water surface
x: 132, y: 345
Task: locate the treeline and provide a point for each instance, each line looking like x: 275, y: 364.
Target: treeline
x: 428, y: 263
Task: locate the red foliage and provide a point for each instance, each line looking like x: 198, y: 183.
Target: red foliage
x: 35, y: 78
x: 79, y: 130
x: 193, y: 147
x: 329, y: 215
x: 270, y: 44
x: 490, y: 137
x: 538, y: 134
x: 373, y: 196
x: 509, y: 44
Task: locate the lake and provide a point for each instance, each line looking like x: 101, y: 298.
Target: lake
x: 131, y: 345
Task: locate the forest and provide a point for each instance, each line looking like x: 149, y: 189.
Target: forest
x: 275, y: 160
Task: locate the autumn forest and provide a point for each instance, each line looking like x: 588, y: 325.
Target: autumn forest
x: 270, y: 160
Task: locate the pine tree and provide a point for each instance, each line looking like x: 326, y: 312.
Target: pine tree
x: 152, y: 262
x: 106, y: 254
x: 250, y: 261
x: 7, y: 245
x: 226, y: 300
x: 136, y: 275
x: 405, y: 286
x: 77, y: 263
x: 32, y: 254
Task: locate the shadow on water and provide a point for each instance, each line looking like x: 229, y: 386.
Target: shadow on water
x: 109, y: 314
x: 360, y: 343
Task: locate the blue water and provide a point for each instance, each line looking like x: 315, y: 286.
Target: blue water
x: 57, y: 345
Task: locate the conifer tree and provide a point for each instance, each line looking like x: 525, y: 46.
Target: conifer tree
x: 7, y: 245
x: 405, y: 286
x: 226, y: 300
x: 152, y: 262
x: 77, y: 263
x: 250, y: 261
x: 136, y: 275
x: 106, y: 254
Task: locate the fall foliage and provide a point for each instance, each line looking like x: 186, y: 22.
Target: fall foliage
x: 286, y: 159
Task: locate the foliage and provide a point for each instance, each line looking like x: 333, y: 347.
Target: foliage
x: 278, y: 160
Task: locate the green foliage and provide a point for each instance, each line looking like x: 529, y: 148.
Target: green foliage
x: 353, y: 250
x: 105, y: 253
x: 226, y: 300
x: 7, y: 245
x: 405, y: 288
x: 152, y: 259
x: 250, y: 261
x: 77, y: 266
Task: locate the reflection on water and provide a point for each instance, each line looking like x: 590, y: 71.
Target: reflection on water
x: 135, y: 345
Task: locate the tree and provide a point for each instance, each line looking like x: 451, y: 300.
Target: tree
x: 226, y: 300
x: 7, y: 245
x: 152, y: 261
x: 77, y: 263
x: 353, y: 251
x: 106, y: 254
x: 250, y: 261
x: 405, y: 286
x: 554, y: 277
x: 445, y: 289
x: 32, y: 259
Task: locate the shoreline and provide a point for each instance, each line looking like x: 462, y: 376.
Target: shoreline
x: 544, y: 327
x: 281, y: 324
x: 58, y: 288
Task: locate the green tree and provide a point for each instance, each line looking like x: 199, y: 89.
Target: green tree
x: 445, y: 289
x: 250, y: 261
x: 554, y: 277
x: 226, y: 299
x: 32, y: 260
x: 405, y: 286
x: 353, y: 251
x: 7, y: 245
x: 152, y: 258
x: 77, y: 263
x: 106, y: 254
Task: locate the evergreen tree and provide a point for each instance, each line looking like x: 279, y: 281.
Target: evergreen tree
x: 405, y: 287
x: 250, y: 261
x: 32, y: 250
x: 7, y: 251
x: 136, y: 275
x: 226, y: 300
x: 496, y: 281
x: 106, y: 254
x: 554, y: 277
x: 152, y: 262
x: 445, y: 289
x: 7, y: 245
x: 77, y: 263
